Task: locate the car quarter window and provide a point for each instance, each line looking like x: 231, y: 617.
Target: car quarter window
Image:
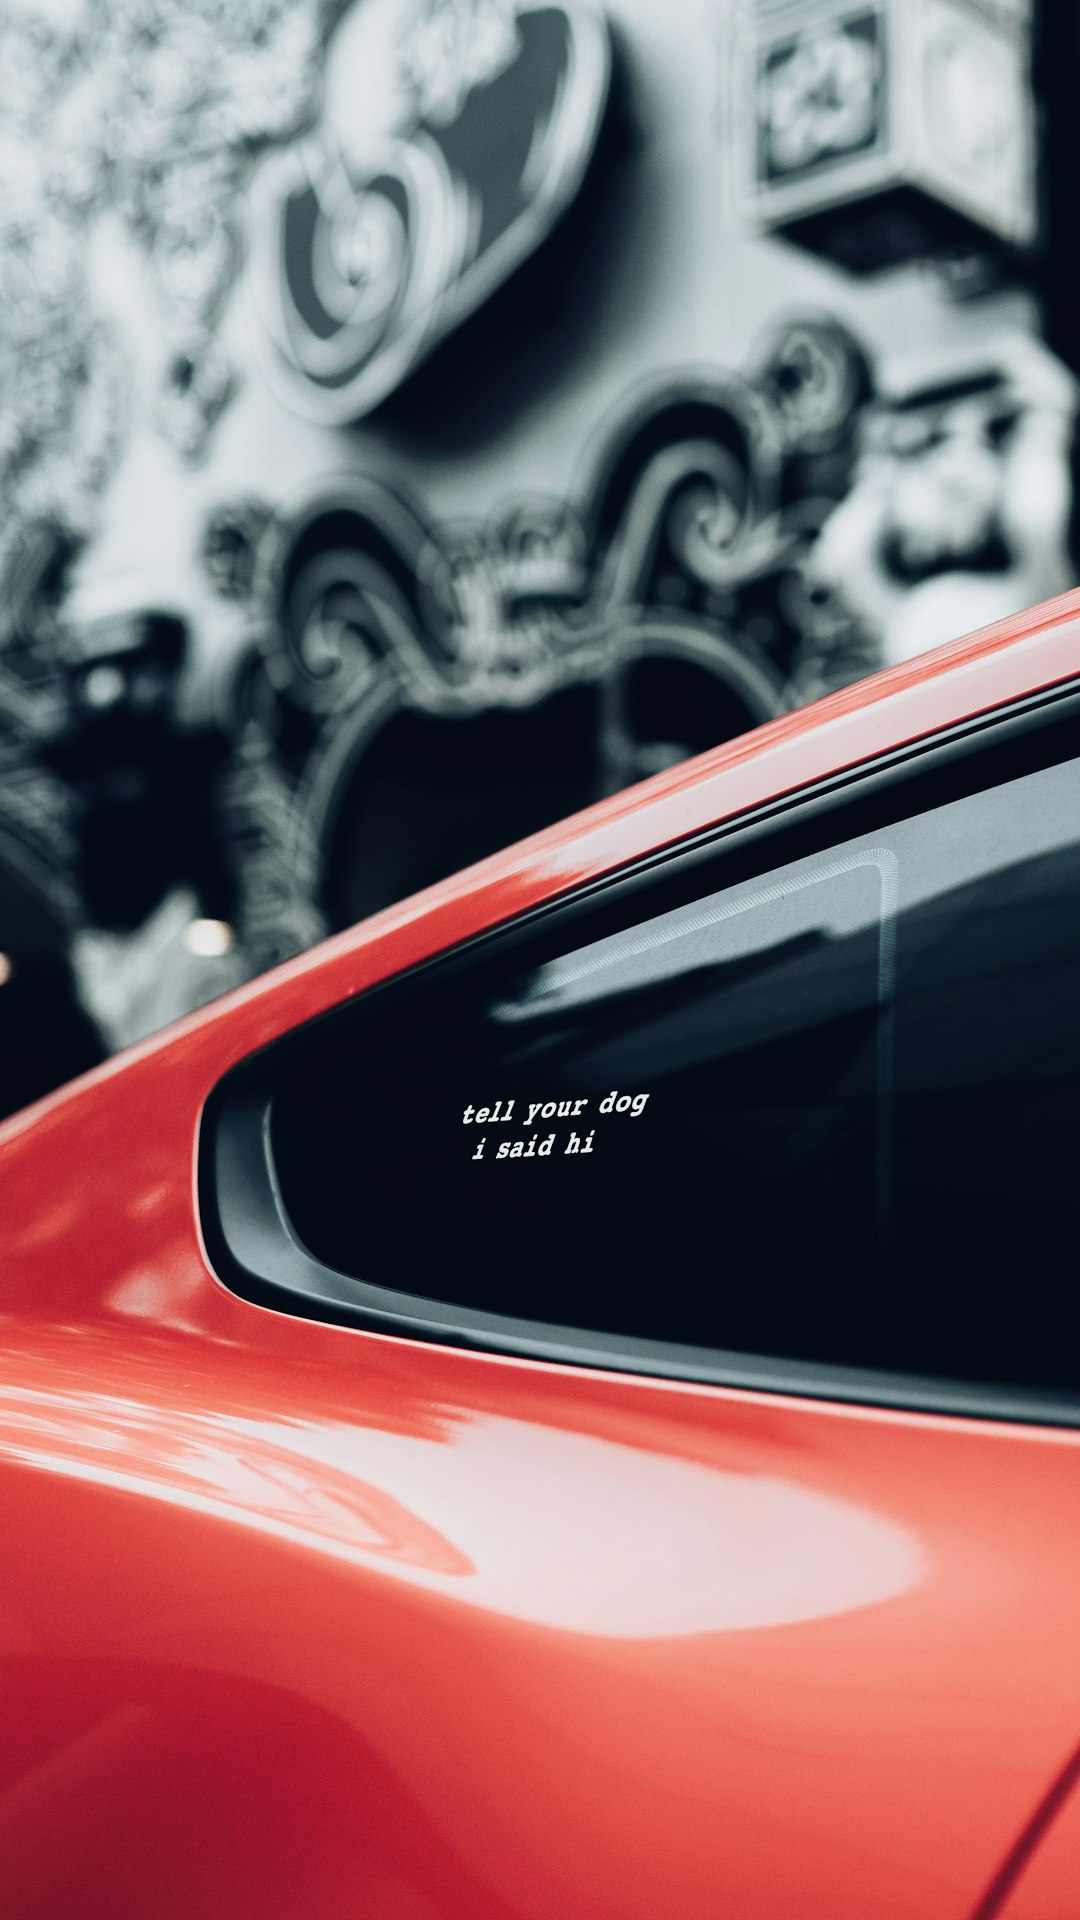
x: 815, y: 1097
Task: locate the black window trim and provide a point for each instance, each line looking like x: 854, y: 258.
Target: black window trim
x: 256, y: 1254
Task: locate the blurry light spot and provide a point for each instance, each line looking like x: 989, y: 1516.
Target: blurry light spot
x: 103, y: 687
x: 208, y: 938
x: 6, y: 969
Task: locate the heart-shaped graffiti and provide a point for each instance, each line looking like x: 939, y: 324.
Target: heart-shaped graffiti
x: 357, y: 272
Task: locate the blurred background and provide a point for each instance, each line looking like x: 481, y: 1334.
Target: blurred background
x: 419, y: 418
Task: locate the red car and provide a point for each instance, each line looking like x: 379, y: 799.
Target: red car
x: 564, y: 1401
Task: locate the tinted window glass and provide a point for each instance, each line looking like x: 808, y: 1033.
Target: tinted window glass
x: 829, y: 1112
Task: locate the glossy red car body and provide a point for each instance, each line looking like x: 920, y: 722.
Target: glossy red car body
x: 302, y: 1620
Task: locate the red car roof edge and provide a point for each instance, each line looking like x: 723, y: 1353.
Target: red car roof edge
x: 937, y: 666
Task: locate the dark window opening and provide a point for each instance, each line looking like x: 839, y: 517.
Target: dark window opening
x: 815, y: 1098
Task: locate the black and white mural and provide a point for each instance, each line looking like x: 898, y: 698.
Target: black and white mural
x: 419, y: 418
